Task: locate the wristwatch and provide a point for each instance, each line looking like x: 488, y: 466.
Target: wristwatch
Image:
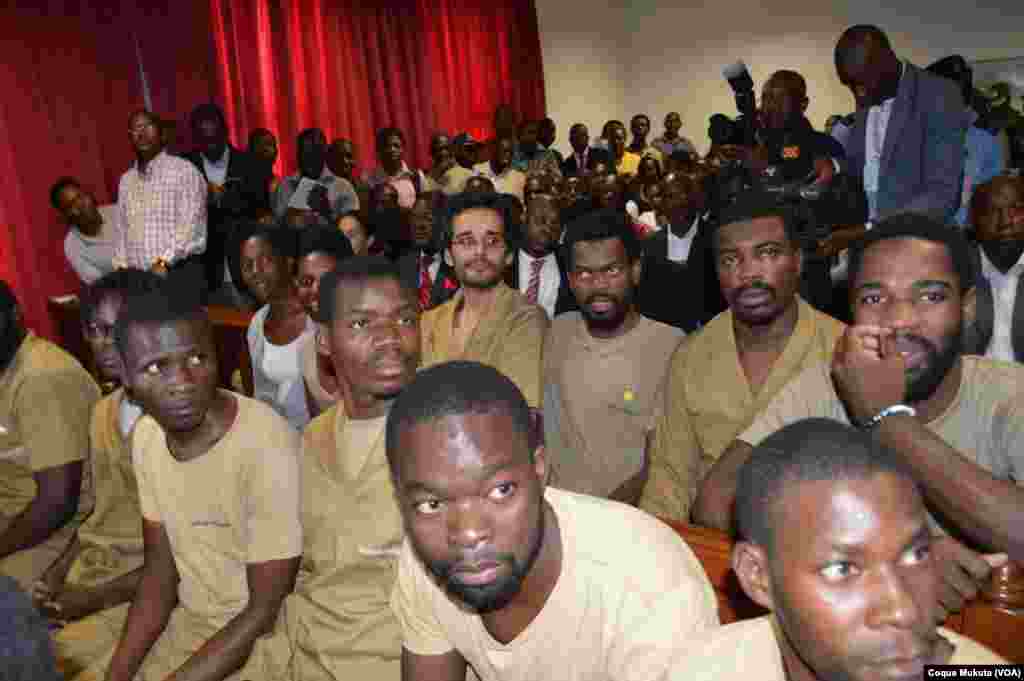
x: 886, y: 413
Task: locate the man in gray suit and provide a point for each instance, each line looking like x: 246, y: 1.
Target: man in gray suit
x: 907, y: 140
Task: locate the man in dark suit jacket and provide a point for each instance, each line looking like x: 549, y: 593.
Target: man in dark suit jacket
x: 538, y: 249
x: 239, y: 185
x: 423, y: 266
x: 907, y: 140
x: 583, y: 156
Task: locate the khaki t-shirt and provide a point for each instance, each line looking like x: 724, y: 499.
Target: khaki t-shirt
x: 601, y: 397
x: 111, y: 537
x: 630, y: 593
x: 46, y: 399
x: 311, y: 374
x: 236, y: 504
x: 748, y: 650
x: 510, y: 339
x: 984, y: 422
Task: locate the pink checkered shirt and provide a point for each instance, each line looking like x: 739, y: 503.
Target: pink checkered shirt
x: 163, y: 213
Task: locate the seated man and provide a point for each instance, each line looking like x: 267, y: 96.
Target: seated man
x: 954, y: 420
x: 218, y: 478
x: 997, y: 217
x: 537, y: 269
x: 338, y: 623
x: 100, y: 569
x: 834, y: 540
x: 605, y: 366
x: 89, y: 245
x: 485, y: 320
x: 500, y: 171
x: 46, y: 398
x: 446, y: 175
x: 726, y: 374
x: 513, y: 579
x: 324, y: 197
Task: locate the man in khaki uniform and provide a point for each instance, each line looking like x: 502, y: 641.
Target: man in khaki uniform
x: 218, y: 479
x: 338, y: 623
x: 46, y: 398
x: 90, y: 586
x: 834, y: 540
x: 725, y: 374
x: 486, y: 321
x: 513, y: 580
x: 604, y: 366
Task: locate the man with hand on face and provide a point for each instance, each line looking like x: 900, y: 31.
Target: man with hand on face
x: 834, y: 540
x: 328, y: 196
x: 514, y: 579
x: 725, y: 375
x: 46, y: 398
x: 604, y: 366
x: 338, y: 623
x: 955, y: 421
x: 486, y: 321
x: 218, y: 479
x: 537, y: 271
x: 997, y: 217
x: 89, y: 587
x: 907, y: 140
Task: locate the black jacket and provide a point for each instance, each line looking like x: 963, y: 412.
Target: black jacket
x: 445, y: 284
x: 595, y: 155
x: 565, y: 301
x: 677, y: 293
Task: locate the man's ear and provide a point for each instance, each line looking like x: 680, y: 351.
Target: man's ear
x: 636, y: 270
x: 509, y: 254
x: 448, y: 258
x: 803, y: 104
x: 540, y: 465
x: 323, y: 348
x: 750, y: 563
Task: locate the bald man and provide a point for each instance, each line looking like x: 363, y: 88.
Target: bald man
x: 907, y: 140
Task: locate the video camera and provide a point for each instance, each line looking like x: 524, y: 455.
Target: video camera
x: 741, y: 131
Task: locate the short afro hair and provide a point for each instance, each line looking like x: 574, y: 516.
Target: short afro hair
x: 282, y: 240
x: 326, y: 240
x: 159, y: 306
x: 809, y: 450
x: 916, y: 226
x: 455, y: 389
x: 208, y: 111
x: 126, y: 283
x: 384, y: 134
x: 598, y: 225
x: 753, y: 205
x: 356, y: 270
x: 60, y: 185
x: 503, y: 204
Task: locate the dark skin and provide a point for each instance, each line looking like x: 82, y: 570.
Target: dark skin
x: 617, y: 141
x: 543, y: 227
x: 373, y: 343
x: 999, y: 221
x: 681, y: 201
x: 869, y: 68
x: 442, y: 156
x: 78, y: 208
x: 211, y: 138
x: 390, y: 154
x: 673, y: 122
x: 502, y: 157
x: 341, y: 158
x: 171, y: 370
x: 471, y: 498
x: 546, y: 132
x: 851, y: 579
x: 269, y: 276
x: 265, y: 146
x: 640, y: 126
x: 145, y: 134
x: 579, y: 139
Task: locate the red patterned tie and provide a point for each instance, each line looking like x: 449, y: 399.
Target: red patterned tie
x: 534, y: 288
x: 426, y: 283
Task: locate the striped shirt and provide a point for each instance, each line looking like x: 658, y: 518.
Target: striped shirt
x: 162, y: 211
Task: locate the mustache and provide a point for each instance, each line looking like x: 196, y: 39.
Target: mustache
x: 756, y: 286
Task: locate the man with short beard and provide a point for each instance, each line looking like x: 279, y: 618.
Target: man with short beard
x: 486, y: 321
x: 605, y: 366
x: 726, y: 374
x: 955, y: 421
x: 513, y: 578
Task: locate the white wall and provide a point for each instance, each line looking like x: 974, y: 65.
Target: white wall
x: 671, y: 54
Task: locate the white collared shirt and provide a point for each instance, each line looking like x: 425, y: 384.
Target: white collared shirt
x: 550, y: 280
x: 874, y: 144
x: 679, y: 246
x: 1004, y: 297
x: 217, y: 171
x: 432, y: 268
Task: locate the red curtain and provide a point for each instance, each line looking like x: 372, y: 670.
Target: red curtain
x: 350, y: 67
x: 70, y: 78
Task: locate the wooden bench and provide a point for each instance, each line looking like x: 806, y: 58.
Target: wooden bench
x: 996, y: 619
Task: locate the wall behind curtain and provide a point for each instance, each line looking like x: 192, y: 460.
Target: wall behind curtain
x: 350, y: 67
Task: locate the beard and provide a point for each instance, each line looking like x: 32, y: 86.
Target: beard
x: 495, y: 596
x: 614, y: 317
x: 922, y: 383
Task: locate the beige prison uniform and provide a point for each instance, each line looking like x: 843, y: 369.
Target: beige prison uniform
x: 510, y: 338
x: 236, y: 504
x: 601, y: 397
x: 452, y: 182
x: 308, y: 359
x: 708, y: 402
x: 748, y: 650
x: 629, y: 594
x: 984, y: 422
x: 338, y: 623
x: 110, y: 539
x: 46, y: 399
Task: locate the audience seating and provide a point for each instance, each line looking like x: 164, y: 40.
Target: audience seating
x: 996, y: 619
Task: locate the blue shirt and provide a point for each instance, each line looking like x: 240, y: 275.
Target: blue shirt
x: 983, y: 161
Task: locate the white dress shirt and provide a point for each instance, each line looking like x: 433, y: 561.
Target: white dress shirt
x: 550, y: 280
x: 679, y: 246
x: 1004, y: 297
x: 217, y: 171
x: 874, y: 143
x: 435, y: 265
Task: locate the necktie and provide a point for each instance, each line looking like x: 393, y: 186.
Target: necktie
x: 426, y: 283
x: 534, y: 287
